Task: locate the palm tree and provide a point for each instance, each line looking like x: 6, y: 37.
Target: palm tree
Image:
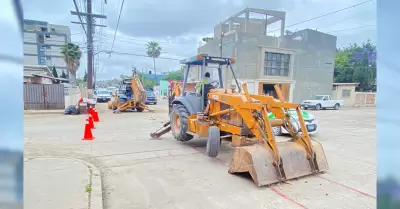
x: 153, y: 51
x: 71, y: 54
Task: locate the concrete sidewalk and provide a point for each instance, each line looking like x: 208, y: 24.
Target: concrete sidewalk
x: 62, y: 183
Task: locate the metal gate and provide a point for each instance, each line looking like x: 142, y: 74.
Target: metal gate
x: 44, y: 96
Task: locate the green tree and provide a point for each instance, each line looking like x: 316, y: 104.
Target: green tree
x: 356, y: 63
x: 153, y: 51
x: 54, y: 72
x: 85, y: 77
x: 146, y: 82
x: 178, y: 75
x: 63, y: 75
x: 71, y: 54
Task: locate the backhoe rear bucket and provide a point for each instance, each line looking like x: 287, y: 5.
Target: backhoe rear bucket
x: 258, y: 161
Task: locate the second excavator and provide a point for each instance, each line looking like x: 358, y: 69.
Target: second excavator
x: 221, y: 113
x: 130, y: 95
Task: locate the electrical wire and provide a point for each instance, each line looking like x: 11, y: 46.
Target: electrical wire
x: 308, y: 20
x: 141, y: 55
x: 324, y: 15
x: 340, y: 21
x: 116, y: 28
x: 365, y: 26
x: 145, y: 42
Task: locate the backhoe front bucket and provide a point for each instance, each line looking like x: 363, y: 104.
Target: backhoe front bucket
x: 258, y: 161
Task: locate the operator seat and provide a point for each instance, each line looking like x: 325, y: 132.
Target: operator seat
x: 129, y: 92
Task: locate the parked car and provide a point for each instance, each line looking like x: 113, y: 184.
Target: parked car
x: 322, y: 102
x: 309, y: 119
x: 112, y: 90
x: 102, y: 95
x: 151, y: 97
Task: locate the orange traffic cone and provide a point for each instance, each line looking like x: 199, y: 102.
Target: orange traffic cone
x: 95, y: 115
x: 90, y: 110
x: 87, y: 135
x: 90, y: 118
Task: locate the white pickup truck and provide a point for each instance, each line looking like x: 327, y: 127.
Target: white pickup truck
x: 321, y: 102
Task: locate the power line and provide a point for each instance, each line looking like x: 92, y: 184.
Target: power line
x: 102, y: 38
x: 324, y: 15
x: 308, y: 20
x: 141, y: 55
x: 340, y: 21
x: 145, y: 42
x: 116, y: 28
x: 365, y: 26
x: 79, y: 16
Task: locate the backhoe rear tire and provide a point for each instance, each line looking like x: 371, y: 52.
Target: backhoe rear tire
x: 179, y: 123
x: 213, y: 142
x: 139, y: 109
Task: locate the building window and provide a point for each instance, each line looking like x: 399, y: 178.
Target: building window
x: 345, y: 93
x: 47, y: 35
x: 276, y: 64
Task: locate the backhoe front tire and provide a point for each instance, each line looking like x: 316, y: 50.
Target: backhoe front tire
x: 179, y: 123
x: 139, y: 109
x: 213, y: 142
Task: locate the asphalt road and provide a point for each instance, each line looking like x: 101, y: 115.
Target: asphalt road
x: 141, y: 173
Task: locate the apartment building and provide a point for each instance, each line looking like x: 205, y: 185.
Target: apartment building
x: 43, y: 42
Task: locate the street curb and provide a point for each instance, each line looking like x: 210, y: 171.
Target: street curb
x: 43, y: 113
x: 96, y: 194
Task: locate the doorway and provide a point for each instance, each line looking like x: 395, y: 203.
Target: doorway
x: 268, y: 89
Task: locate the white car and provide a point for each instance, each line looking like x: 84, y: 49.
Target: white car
x: 310, y: 121
x: 322, y: 102
x: 102, y: 95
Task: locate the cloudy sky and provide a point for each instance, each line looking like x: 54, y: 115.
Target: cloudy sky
x: 179, y: 25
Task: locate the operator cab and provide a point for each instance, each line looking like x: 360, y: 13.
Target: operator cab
x: 125, y: 90
x: 217, y: 67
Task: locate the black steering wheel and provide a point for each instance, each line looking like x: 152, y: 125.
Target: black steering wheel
x: 214, y: 84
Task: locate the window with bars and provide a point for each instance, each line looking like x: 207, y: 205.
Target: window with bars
x: 346, y: 93
x: 276, y: 64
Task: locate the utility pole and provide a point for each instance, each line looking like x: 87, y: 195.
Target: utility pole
x: 142, y: 77
x: 89, y: 37
x: 220, y: 44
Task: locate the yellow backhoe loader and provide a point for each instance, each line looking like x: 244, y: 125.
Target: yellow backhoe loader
x: 131, y: 95
x: 220, y: 113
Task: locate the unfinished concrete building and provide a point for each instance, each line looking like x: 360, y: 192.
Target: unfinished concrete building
x: 300, y: 62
